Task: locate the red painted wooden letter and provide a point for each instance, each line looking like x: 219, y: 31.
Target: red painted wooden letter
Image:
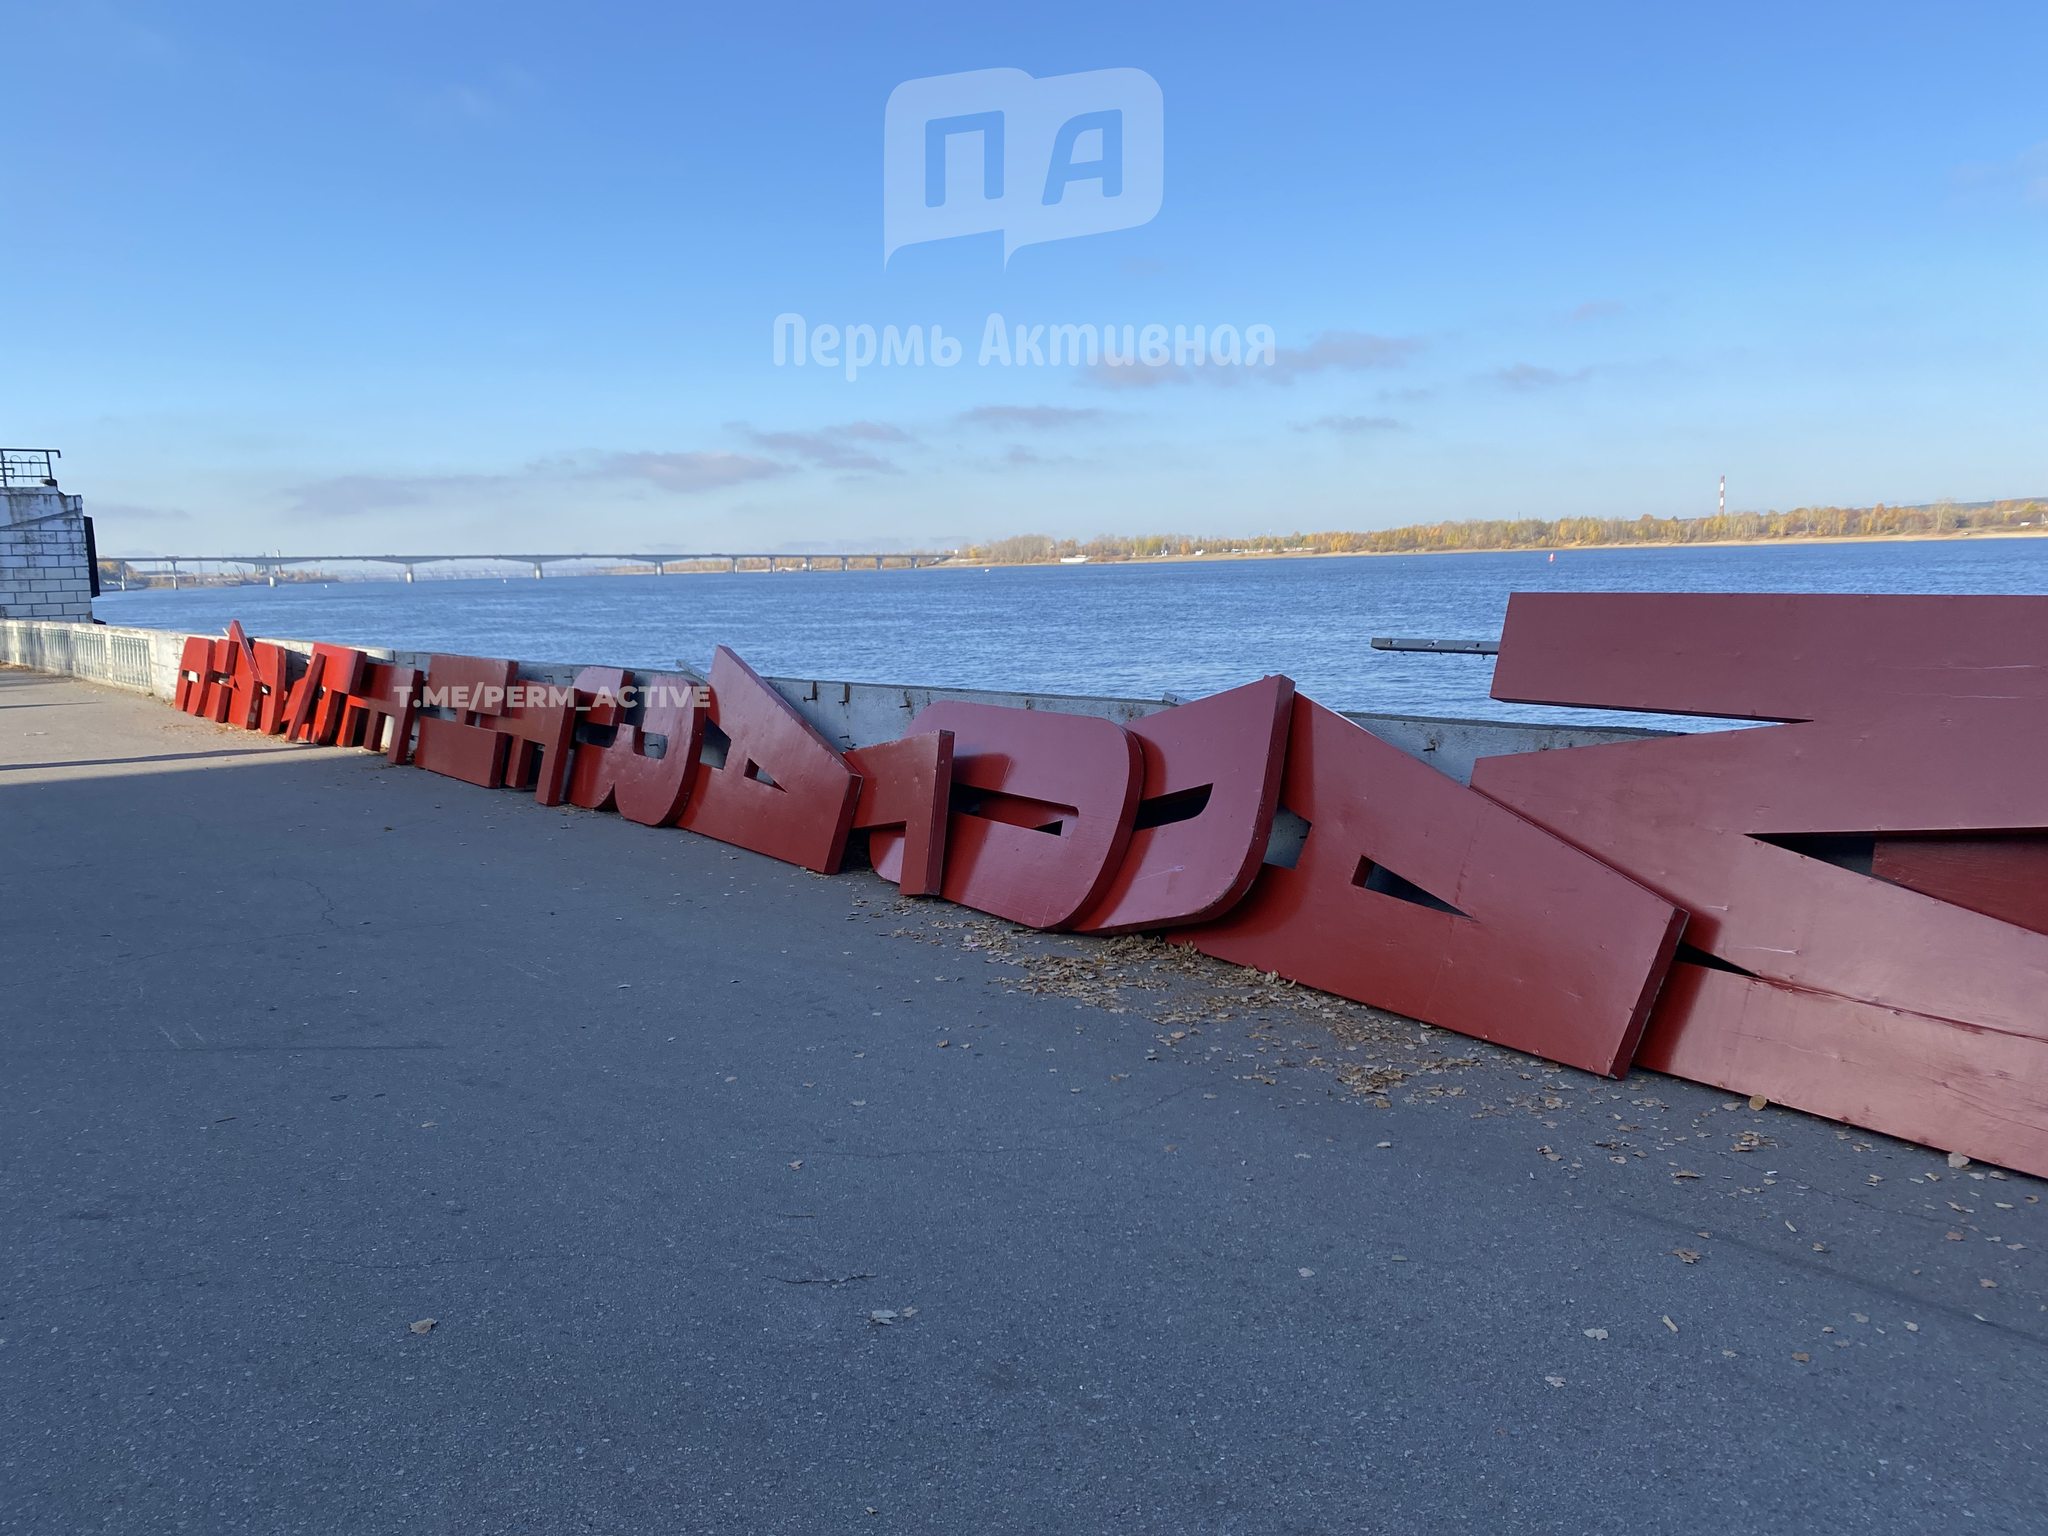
x: 1413, y: 893
x: 1212, y: 779
x: 537, y: 731
x: 1042, y: 808
x: 244, y: 679
x: 906, y: 783
x: 389, y: 693
x: 322, y: 695
x: 273, y: 668
x: 781, y: 790
x: 1852, y: 974
x: 461, y: 748
x: 625, y: 776
x: 195, y: 674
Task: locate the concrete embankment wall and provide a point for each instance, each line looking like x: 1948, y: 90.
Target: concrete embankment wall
x: 847, y: 714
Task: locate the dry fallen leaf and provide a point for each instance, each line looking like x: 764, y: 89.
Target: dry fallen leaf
x: 1306, y: 1274
x: 1912, y: 1327
x: 1955, y: 1237
x: 1685, y: 1173
x: 1555, y: 1381
x: 1820, y: 1247
x: 1802, y: 1358
x: 1989, y: 1285
x: 1686, y: 1254
x: 798, y: 1163
x: 1957, y: 1160
x: 425, y: 1325
x: 1758, y: 1101
x: 1596, y: 1333
x: 1670, y: 1324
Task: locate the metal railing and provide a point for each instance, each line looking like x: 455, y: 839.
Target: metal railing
x: 21, y: 467
x: 97, y: 653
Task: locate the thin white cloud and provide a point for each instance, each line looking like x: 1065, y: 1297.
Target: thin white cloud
x: 1350, y: 426
x: 689, y: 473
x: 831, y: 447
x: 1345, y: 350
x: 1042, y: 418
x: 1528, y: 378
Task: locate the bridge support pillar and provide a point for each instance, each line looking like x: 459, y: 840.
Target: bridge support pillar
x: 842, y: 562
x: 536, y: 570
x: 735, y: 565
x: 408, y: 575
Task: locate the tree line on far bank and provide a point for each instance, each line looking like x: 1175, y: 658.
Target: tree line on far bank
x: 1880, y: 521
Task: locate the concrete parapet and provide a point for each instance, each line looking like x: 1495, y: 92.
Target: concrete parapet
x: 847, y: 714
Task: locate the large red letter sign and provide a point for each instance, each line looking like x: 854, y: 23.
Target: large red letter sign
x: 625, y: 776
x: 461, y: 748
x: 782, y: 790
x: 1212, y: 779
x: 1830, y: 987
x: 1415, y: 894
x: 1043, y: 804
x: 906, y: 783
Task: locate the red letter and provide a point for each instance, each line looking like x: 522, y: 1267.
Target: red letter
x: 1415, y: 894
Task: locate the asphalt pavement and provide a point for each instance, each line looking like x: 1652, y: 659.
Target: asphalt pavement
x: 387, y: 1154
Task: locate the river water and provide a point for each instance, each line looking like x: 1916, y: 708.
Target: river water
x: 1137, y: 631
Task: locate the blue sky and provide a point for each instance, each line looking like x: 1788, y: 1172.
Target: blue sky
x: 462, y: 277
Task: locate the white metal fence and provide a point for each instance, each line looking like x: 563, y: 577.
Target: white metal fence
x: 97, y: 652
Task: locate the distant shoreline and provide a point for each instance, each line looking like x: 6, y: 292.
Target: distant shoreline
x: 1963, y: 534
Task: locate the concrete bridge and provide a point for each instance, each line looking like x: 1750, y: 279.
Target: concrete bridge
x: 270, y: 565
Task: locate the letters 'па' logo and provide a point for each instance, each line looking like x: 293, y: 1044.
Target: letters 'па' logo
x: 1037, y: 159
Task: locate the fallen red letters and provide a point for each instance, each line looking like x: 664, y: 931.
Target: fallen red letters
x: 780, y: 789
x: 1042, y: 809
x: 624, y: 776
x: 1212, y: 780
x: 1818, y: 983
x: 906, y: 783
x: 1412, y: 893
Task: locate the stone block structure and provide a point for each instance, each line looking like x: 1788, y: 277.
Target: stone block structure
x: 46, y: 556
